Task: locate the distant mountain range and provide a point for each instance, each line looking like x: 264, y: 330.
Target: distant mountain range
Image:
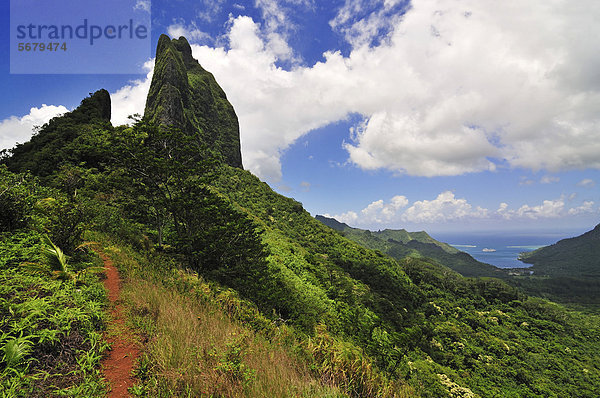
x: 567, y: 271
x: 399, y: 243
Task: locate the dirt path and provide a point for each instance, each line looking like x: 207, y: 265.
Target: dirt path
x: 121, y: 359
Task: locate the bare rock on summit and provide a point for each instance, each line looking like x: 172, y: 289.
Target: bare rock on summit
x: 186, y: 96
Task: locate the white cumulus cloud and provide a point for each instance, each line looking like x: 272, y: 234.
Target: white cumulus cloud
x: 586, y: 207
x: 350, y: 217
x: 586, y: 182
x: 446, y: 207
x: 364, y: 21
x: 131, y: 98
x: 549, y: 179
x: 190, y: 32
x: 555, y: 208
x: 447, y: 88
x: 379, y: 212
x: 454, y: 87
x: 17, y: 129
x: 548, y: 209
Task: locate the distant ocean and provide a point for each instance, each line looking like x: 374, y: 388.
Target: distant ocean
x: 501, y: 249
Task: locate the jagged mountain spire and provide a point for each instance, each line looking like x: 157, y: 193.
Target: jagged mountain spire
x: 184, y: 95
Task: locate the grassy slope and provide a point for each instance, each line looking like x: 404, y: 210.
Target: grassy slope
x: 203, y: 340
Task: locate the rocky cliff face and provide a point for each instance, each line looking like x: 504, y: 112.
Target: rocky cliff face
x: 185, y: 96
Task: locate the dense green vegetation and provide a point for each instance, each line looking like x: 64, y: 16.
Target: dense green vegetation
x: 51, y: 311
x: 70, y: 139
x: 457, y: 327
x: 198, y: 238
x: 575, y: 257
x: 499, y: 342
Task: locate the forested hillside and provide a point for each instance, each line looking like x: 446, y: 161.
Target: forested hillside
x: 567, y: 271
x: 577, y: 257
x: 66, y: 140
x: 183, y: 222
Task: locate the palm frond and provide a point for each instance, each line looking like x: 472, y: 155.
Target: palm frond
x: 62, y: 275
x: 54, y: 257
x: 15, y: 350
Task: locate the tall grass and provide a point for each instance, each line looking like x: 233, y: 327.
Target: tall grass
x: 195, y: 349
x: 204, y: 341
x: 193, y: 346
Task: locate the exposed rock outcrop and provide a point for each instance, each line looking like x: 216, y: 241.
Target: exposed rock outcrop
x: 185, y: 96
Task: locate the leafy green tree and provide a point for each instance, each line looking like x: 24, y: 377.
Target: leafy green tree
x: 16, y: 200
x: 171, y: 172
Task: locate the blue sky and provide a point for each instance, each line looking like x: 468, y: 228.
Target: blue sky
x: 444, y: 116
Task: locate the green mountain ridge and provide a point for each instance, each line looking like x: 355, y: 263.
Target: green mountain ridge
x: 567, y: 271
x: 575, y: 257
x: 64, y: 139
x: 398, y: 235
x: 393, y: 321
x: 400, y: 243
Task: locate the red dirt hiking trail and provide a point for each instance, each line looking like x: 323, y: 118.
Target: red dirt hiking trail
x: 119, y: 363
